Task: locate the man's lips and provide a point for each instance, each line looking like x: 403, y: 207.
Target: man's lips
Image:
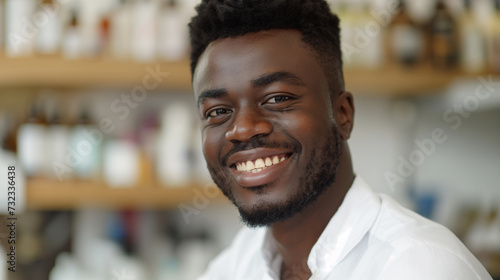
x: 258, y: 166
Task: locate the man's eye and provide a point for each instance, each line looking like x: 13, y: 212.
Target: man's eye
x: 277, y: 99
x: 217, y: 112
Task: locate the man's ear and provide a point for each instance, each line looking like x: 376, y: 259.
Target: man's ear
x: 344, y: 114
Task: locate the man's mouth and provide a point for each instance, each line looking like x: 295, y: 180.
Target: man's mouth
x: 259, y: 164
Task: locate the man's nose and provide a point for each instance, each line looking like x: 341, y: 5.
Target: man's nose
x: 246, y: 124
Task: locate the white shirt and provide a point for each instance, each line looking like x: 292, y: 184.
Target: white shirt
x: 370, y: 237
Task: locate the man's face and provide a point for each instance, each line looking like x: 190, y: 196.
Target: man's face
x: 269, y: 134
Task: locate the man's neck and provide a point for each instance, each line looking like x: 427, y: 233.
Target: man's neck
x: 296, y: 236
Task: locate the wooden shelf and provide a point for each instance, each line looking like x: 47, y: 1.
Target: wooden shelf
x: 389, y: 81
x: 399, y: 81
x: 57, y: 72
x: 51, y: 195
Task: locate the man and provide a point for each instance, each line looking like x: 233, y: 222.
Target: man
x: 267, y: 76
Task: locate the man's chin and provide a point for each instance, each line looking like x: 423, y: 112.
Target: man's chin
x: 266, y: 215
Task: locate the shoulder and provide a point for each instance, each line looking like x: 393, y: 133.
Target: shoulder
x: 420, y: 248
x: 243, y: 254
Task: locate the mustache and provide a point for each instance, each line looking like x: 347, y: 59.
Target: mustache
x: 259, y: 142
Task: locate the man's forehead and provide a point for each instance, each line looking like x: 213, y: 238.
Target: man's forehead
x: 234, y: 56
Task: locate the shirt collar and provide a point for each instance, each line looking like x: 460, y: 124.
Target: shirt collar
x: 348, y: 226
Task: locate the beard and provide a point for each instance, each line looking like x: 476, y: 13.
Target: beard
x: 322, y: 167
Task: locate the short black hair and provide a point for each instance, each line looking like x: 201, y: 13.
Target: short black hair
x: 220, y: 19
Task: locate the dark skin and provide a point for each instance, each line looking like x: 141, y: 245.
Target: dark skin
x: 240, y: 97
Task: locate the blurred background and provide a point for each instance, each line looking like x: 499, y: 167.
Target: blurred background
x: 97, y: 116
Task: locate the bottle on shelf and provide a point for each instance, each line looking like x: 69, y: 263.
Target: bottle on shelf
x: 173, y: 162
x: 72, y: 38
x: 103, y: 44
x: 49, y: 34
x: 443, y: 38
x: 85, y: 145
x: 20, y: 30
x: 347, y: 33
x: 144, y: 30
x: 405, y: 41
x: 361, y: 43
x: 121, y: 162
x: 494, y: 40
x: 30, y: 138
x: 173, y: 41
x: 121, y: 26
x: 58, y: 137
x: 472, y: 42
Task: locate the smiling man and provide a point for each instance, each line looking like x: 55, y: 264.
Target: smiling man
x: 267, y: 76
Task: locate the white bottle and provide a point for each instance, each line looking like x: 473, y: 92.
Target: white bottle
x: 473, y: 44
x: 173, y: 39
x: 173, y: 166
x: 121, y: 163
x: 144, y: 31
x: 86, y: 142
x: 58, y: 136
x: 121, y: 27
x: 20, y: 28
x: 49, y: 35
x: 72, y: 38
x: 31, y: 144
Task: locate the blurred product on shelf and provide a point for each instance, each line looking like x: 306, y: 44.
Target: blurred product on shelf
x: 144, y: 32
x: 72, y: 39
x: 173, y: 166
x: 20, y: 30
x: 494, y: 39
x: 362, y: 43
x: 483, y: 236
x: 31, y: 141
x: 49, y: 33
x: 121, y: 163
x: 148, y: 138
x: 443, y: 49
x: 472, y: 41
x: 121, y: 24
x: 172, y: 31
x: 86, y: 144
x: 58, y: 137
x: 406, y: 41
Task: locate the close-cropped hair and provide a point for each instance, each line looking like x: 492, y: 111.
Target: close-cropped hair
x: 221, y: 19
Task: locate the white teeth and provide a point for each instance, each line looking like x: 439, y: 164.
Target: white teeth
x: 260, y: 163
x: 276, y: 160
x: 250, y: 165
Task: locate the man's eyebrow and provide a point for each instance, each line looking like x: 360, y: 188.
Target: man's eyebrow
x: 211, y: 93
x: 285, y: 77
